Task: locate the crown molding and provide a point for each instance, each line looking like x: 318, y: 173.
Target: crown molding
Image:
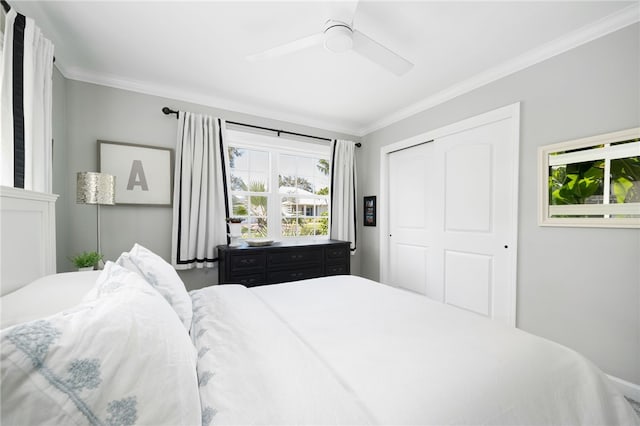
x: 614, y: 22
x: 212, y: 101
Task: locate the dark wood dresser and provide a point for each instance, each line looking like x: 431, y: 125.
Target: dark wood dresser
x: 282, y: 262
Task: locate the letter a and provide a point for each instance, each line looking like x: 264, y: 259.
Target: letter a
x: 137, y: 177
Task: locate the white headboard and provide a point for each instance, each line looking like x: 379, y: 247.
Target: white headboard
x: 28, y: 229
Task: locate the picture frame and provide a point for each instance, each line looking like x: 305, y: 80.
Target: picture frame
x: 370, y: 211
x: 143, y: 172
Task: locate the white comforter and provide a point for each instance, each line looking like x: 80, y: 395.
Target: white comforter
x: 345, y: 350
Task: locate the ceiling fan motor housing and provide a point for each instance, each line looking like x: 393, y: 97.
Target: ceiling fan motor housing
x: 338, y: 36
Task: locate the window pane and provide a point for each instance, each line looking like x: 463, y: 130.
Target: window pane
x: 577, y: 183
x: 240, y: 206
x: 288, y: 164
x: 625, y: 180
x: 259, y: 161
x: 258, y: 183
x: 255, y: 227
x: 237, y: 158
x: 249, y: 170
x: 289, y: 227
x: 239, y: 180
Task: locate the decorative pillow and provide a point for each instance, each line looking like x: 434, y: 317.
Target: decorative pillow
x: 164, y: 278
x: 122, y: 358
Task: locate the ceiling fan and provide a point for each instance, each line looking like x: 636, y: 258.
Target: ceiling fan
x: 338, y: 35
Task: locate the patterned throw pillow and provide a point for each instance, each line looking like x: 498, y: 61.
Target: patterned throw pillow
x: 122, y: 358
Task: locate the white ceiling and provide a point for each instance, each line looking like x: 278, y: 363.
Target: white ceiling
x: 195, y: 51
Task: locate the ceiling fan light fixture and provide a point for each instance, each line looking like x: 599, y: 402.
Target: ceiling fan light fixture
x: 338, y: 37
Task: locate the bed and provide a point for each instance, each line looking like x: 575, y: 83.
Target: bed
x: 131, y: 346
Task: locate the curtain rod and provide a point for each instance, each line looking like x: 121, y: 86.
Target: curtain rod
x: 168, y: 111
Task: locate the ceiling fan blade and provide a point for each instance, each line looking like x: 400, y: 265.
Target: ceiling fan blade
x: 379, y: 54
x: 294, y: 46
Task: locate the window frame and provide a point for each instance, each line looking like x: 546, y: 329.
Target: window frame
x: 606, y: 153
x: 276, y: 146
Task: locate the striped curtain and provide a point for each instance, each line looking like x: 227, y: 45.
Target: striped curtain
x: 26, y: 73
x: 200, y: 197
x: 343, y: 216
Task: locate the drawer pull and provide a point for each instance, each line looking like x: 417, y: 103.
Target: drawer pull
x: 247, y: 261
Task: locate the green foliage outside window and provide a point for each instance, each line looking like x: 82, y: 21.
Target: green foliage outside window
x: 579, y: 183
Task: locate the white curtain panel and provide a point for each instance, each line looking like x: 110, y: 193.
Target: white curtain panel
x: 200, y: 198
x: 25, y: 104
x: 343, y: 216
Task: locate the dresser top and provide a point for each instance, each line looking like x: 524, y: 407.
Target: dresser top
x: 283, y: 244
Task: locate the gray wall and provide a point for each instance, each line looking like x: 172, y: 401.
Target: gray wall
x: 60, y: 167
x: 579, y: 287
x: 85, y: 113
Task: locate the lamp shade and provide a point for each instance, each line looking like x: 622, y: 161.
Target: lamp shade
x: 95, y: 188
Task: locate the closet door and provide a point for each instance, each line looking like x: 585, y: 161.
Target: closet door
x: 452, y: 220
x: 474, y: 221
x: 411, y: 215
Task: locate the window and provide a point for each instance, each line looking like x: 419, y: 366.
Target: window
x: 279, y: 187
x: 592, y: 182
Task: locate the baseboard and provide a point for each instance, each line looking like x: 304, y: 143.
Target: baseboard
x: 630, y: 390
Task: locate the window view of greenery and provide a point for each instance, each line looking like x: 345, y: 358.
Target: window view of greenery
x: 598, y: 181
x: 300, y: 199
x: 304, y: 185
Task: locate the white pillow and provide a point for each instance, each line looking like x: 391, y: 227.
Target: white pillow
x: 122, y: 358
x: 125, y: 261
x: 163, y: 277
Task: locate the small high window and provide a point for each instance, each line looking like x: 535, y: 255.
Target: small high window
x: 592, y: 182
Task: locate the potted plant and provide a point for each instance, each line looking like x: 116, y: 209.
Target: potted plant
x: 87, y: 260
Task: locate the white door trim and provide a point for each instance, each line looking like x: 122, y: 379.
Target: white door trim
x: 511, y: 112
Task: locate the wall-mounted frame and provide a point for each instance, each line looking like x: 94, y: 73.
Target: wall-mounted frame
x: 143, y: 172
x: 592, y: 182
x: 370, y: 211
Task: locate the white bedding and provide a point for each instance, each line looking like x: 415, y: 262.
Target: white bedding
x: 45, y: 296
x: 338, y: 350
x: 399, y: 357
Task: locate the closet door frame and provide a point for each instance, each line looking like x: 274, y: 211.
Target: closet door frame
x: 511, y: 112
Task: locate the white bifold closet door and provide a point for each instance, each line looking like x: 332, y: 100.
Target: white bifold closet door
x: 452, y: 204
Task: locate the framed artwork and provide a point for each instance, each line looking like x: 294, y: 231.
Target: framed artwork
x: 142, y: 172
x: 370, y: 211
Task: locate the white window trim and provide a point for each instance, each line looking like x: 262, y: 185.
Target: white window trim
x: 545, y: 160
x: 251, y: 140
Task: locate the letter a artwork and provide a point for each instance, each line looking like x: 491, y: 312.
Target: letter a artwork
x: 137, y: 177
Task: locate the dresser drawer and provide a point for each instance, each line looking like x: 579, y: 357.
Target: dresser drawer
x: 248, y: 280
x: 337, y: 254
x: 295, y: 257
x: 294, y: 274
x: 246, y: 261
x: 337, y: 269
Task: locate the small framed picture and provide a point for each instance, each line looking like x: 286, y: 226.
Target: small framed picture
x: 370, y: 211
x: 143, y: 172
